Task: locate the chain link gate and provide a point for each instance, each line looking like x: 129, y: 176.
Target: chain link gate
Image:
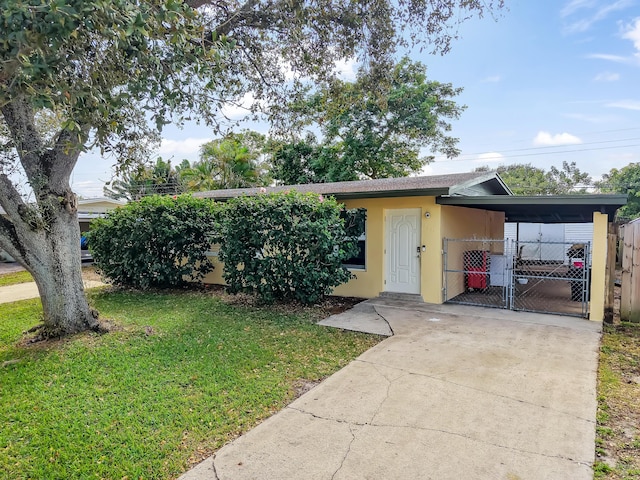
x: 478, y: 272
x: 544, y: 277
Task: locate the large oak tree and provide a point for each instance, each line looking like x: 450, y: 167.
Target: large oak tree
x: 106, y: 66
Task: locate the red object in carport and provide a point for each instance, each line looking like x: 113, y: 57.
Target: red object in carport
x: 476, y: 267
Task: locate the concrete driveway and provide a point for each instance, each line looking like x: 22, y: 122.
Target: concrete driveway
x: 456, y: 393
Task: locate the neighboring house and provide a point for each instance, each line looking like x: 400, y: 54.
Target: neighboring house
x: 442, y: 237
x: 88, y: 209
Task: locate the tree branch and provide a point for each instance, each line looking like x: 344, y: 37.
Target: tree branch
x: 10, y: 199
x: 60, y: 160
x: 9, y: 241
x: 19, y: 117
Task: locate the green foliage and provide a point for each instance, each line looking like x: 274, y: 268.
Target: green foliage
x: 233, y: 161
x: 287, y: 246
x: 156, y: 242
x: 625, y: 181
x: 525, y: 179
x: 373, y: 129
x: 157, y: 179
x: 295, y: 163
x: 568, y: 180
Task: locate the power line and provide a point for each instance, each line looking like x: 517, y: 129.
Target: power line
x: 539, y: 153
x: 560, y: 146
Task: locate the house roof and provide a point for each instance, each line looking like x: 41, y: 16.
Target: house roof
x: 543, y: 209
x: 473, y: 183
x: 98, y: 200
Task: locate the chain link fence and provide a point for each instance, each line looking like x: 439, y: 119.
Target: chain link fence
x: 546, y: 277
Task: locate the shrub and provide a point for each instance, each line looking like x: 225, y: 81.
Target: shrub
x: 287, y: 246
x: 155, y: 242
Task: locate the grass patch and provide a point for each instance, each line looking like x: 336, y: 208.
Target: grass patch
x: 183, y: 374
x: 15, y: 278
x: 618, y: 430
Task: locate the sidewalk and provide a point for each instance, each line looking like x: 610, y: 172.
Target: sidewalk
x: 24, y: 291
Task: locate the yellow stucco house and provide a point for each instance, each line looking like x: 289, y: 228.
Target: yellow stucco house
x: 422, y: 234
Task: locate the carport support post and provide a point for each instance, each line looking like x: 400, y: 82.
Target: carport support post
x: 598, y: 266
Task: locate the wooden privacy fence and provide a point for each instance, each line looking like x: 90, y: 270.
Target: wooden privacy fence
x: 630, y: 290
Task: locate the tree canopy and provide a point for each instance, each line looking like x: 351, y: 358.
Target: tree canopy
x: 234, y: 161
x: 625, y: 180
x: 106, y: 66
x: 371, y: 128
x: 526, y: 179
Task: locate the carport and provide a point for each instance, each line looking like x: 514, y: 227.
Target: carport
x: 577, y: 280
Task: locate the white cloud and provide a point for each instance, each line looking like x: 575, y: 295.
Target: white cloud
x: 88, y: 188
x: 607, y: 77
x: 610, y: 58
x: 546, y: 139
x: 489, y: 157
x: 629, y: 32
x: 346, y: 69
x: 633, y: 33
x: 625, y: 104
x: 185, y: 147
x: 591, y: 118
x: 240, y: 108
x: 601, y: 12
x: 492, y: 79
x: 574, y: 6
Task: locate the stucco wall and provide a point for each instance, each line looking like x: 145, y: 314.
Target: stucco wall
x: 453, y: 222
x: 370, y: 282
x: 598, y: 266
x: 214, y: 277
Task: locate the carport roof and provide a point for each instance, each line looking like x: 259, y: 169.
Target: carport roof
x: 543, y: 209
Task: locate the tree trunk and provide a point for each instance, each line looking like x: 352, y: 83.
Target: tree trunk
x: 49, y: 248
x: 44, y: 235
x: 58, y: 274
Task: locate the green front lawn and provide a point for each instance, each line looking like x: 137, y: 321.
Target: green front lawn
x: 181, y: 375
x: 15, y: 278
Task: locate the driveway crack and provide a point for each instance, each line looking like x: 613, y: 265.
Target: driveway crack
x: 484, y: 442
x: 437, y: 430
x: 499, y: 395
x: 384, y: 319
x: 213, y: 467
x: 346, y: 454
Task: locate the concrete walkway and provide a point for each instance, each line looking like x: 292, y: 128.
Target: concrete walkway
x: 455, y: 393
x: 24, y: 291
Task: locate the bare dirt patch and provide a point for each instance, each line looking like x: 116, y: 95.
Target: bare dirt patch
x: 328, y: 306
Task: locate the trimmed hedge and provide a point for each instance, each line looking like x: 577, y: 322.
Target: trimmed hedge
x: 287, y: 246
x: 157, y: 242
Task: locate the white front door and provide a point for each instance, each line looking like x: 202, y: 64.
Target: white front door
x: 403, y: 257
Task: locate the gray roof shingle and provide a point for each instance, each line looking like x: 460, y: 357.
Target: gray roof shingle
x: 452, y: 184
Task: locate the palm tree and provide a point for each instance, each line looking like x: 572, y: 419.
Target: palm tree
x: 157, y: 179
x: 229, y: 162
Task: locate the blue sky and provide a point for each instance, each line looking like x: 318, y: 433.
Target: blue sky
x: 547, y: 81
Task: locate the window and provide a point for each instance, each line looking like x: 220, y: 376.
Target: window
x: 358, y: 262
